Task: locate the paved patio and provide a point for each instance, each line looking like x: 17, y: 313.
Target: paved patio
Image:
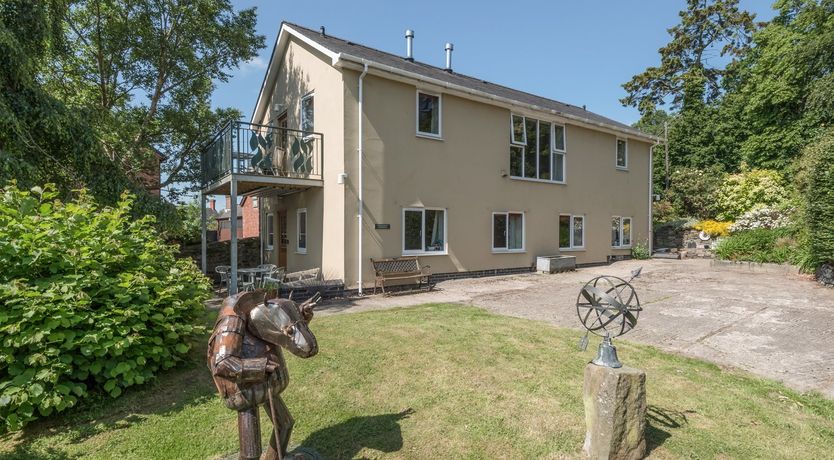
x: 773, y: 324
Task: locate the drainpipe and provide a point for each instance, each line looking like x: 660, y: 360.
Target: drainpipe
x: 651, y: 197
x: 360, y: 154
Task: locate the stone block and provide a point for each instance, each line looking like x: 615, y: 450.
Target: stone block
x: 615, y: 412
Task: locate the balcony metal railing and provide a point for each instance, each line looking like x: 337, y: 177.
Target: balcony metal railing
x: 262, y: 150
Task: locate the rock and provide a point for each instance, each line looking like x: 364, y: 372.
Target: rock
x: 825, y: 274
x: 615, y: 412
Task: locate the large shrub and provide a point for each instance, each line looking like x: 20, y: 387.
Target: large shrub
x: 93, y: 300
x: 762, y: 217
x: 745, y: 191
x: 759, y: 245
x: 816, y: 184
x: 692, y: 192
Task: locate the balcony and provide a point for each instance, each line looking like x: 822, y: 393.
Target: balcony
x: 261, y: 157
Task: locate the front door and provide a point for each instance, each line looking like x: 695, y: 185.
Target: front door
x: 282, y: 238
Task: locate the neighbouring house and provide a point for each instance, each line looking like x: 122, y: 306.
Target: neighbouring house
x: 357, y: 153
x: 248, y: 219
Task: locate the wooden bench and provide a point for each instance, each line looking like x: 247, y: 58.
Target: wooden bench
x: 400, y: 268
x: 302, y: 278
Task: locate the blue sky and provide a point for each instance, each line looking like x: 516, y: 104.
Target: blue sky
x: 579, y: 52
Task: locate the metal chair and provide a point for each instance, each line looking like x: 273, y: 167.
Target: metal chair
x: 268, y: 269
x: 224, y: 272
x: 270, y: 283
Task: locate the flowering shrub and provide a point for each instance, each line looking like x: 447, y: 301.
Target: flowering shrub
x: 745, y: 191
x: 640, y: 251
x: 761, y: 217
x: 713, y: 228
x: 93, y: 301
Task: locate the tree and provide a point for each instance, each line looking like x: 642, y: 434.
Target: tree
x: 707, y: 27
x: 144, y: 71
x: 815, y: 182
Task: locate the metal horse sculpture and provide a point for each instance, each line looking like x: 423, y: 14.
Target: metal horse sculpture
x: 245, y: 359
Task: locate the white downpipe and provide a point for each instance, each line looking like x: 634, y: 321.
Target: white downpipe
x: 361, y: 185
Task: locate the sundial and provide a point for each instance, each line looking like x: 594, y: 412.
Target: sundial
x: 608, y: 306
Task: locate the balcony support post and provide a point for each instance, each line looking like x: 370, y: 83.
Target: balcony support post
x: 233, y: 236
x: 203, y: 241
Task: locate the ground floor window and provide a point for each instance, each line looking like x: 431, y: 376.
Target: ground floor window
x: 620, y: 232
x: 424, y: 231
x: 507, y: 231
x: 301, y: 227
x: 571, y: 231
x: 270, y: 231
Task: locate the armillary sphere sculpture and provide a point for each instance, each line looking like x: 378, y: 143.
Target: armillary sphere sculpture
x: 608, y: 307
x: 245, y: 359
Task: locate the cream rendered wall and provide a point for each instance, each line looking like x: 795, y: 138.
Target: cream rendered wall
x: 304, y: 70
x: 462, y: 173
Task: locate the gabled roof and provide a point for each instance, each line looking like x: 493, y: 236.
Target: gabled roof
x: 339, y: 50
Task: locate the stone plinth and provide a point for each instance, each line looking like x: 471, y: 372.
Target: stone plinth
x: 615, y: 412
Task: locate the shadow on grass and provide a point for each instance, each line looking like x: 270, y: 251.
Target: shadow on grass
x: 24, y: 452
x: 659, y: 422
x: 346, y: 439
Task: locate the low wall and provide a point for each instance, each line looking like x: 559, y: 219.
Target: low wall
x: 219, y: 253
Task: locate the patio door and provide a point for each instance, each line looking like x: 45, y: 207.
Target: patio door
x: 282, y: 238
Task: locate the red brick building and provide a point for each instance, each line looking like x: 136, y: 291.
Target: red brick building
x: 248, y: 219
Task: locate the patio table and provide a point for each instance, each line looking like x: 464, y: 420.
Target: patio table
x: 251, y: 274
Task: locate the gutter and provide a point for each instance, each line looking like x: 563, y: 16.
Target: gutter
x: 360, y: 154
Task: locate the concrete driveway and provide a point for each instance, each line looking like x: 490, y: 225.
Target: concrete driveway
x: 773, y: 324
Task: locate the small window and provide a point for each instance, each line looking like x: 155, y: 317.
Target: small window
x: 301, y: 227
x: 517, y: 129
x: 620, y: 232
x: 307, y: 113
x: 424, y: 231
x: 507, y: 231
x: 255, y: 202
x: 622, y: 153
x: 270, y: 231
x: 428, y: 114
x: 571, y: 231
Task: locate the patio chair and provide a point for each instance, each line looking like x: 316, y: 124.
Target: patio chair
x: 223, y: 271
x: 268, y: 269
x: 270, y: 283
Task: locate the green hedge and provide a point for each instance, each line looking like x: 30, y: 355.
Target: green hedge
x: 759, y: 245
x: 816, y: 184
x: 93, y: 301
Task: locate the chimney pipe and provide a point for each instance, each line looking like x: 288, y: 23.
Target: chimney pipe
x: 449, y: 48
x: 322, y: 32
x: 409, y: 45
x: 212, y: 204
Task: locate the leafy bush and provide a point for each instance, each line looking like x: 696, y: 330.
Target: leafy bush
x: 713, y: 228
x: 663, y: 211
x: 93, y: 300
x: 640, y: 251
x: 759, y: 245
x: 692, y: 191
x: 762, y: 217
x: 748, y: 190
x: 816, y: 183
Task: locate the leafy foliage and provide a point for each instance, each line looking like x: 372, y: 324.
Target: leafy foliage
x: 742, y: 192
x: 640, y: 251
x: 693, y: 191
x: 714, y: 228
x: 761, y: 246
x: 94, y: 300
x: 816, y: 183
x: 762, y: 217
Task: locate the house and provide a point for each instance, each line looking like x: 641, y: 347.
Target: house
x: 248, y: 219
x: 150, y: 175
x: 358, y: 153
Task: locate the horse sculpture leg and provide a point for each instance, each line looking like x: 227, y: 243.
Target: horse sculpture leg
x: 249, y: 432
x: 284, y: 422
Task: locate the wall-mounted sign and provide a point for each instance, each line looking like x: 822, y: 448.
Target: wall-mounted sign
x: 382, y: 226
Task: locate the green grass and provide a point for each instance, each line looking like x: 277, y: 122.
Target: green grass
x: 446, y: 381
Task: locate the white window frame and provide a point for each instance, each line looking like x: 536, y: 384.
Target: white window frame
x: 254, y: 202
x: 298, y: 248
x: 513, y: 142
x: 553, y: 150
x: 620, y: 227
x: 301, y: 110
x: 506, y: 249
x: 270, y: 242
x: 616, y: 146
x: 572, y: 246
x: 439, y: 96
x: 423, y: 252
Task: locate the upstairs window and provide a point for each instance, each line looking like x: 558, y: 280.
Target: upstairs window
x: 537, y: 149
x: 424, y: 231
x: 620, y: 232
x: 428, y: 114
x: 307, y: 113
x: 507, y: 231
x: 571, y: 231
x: 622, y: 153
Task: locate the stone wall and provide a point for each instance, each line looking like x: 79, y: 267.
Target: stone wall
x: 218, y: 253
x: 685, y: 241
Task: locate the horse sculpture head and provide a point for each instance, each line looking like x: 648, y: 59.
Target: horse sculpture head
x: 283, y: 323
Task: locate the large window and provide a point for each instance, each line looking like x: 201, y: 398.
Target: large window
x: 301, y: 230
x: 537, y: 149
x: 270, y: 231
x: 424, y: 231
x: 428, y: 114
x: 307, y: 113
x: 622, y: 153
x: 507, y: 231
x: 571, y: 231
x: 620, y: 232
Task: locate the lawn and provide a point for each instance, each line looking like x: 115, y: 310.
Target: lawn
x: 446, y: 381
